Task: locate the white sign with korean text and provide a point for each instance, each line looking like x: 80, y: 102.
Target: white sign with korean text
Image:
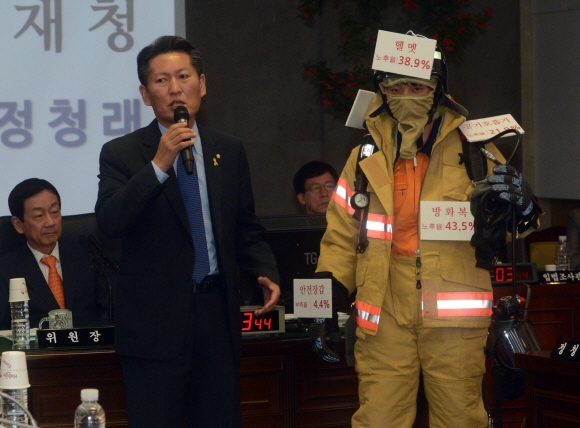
x: 483, y: 129
x: 313, y: 298
x: 402, y: 54
x: 561, y: 276
x: 445, y: 221
x: 356, y: 117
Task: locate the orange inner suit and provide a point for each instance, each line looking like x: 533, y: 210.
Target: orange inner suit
x: 408, y: 181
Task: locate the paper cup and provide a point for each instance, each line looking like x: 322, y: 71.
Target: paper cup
x: 18, y: 290
x: 13, y: 371
x: 550, y: 268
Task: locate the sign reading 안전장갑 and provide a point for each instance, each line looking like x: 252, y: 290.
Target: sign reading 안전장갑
x: 313, y: 298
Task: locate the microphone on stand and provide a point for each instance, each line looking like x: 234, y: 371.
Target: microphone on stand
x: 101, y: 264
x: 182, y: 115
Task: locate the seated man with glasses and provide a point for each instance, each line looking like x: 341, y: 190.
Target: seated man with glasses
x: 314, y: 183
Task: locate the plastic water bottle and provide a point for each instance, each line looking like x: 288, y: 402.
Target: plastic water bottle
x: 89, y: 413
x: 12, y: 411
x: 562, y: 258
x: 20, y: 323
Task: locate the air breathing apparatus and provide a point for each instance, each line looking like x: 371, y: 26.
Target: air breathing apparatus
x: 514, y: 332
x: 510, y: 330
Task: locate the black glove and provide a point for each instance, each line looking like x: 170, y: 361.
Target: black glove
x: 340, y: 299
x: 491, y: 205
x: 512, y: 187
x: 318, y: 330
x: 488, y: 241
x: 487, y: 208
x: 329, y: 326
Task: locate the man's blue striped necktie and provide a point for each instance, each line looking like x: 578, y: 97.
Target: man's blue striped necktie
x: 189, y: 185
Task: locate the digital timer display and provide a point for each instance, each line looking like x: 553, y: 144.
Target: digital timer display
x: 526, y: 273
x: 272, y: 322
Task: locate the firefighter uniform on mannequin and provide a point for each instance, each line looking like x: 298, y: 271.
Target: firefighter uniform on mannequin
x: 421, y: 306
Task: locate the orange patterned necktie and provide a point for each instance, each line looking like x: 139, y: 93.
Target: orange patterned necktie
x: 54, y: 280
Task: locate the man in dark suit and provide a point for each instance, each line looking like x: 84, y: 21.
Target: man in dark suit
x: 178, y: 333
x: 35, y: 208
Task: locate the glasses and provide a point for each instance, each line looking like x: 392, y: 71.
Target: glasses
x: 315, y: 188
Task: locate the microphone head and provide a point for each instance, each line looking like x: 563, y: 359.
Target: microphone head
x: 181, y: 114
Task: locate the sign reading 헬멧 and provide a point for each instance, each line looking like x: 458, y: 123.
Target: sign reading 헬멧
x: 446, y: 221
x: 483, y: 129
x: 404, y: 54
x: 313, y: 298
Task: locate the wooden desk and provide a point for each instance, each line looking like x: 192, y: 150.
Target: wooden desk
x: 283, y: 383
x: 57, y: 377
x: 552, y: 390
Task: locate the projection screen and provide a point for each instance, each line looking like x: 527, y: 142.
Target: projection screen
x: 69, y: 84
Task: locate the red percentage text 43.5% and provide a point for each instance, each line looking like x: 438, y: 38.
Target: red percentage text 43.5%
x: 464, y: 225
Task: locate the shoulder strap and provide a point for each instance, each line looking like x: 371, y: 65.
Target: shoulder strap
x: 367, y: 148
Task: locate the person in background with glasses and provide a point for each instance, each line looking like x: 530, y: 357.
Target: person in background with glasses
x: 314, y: 183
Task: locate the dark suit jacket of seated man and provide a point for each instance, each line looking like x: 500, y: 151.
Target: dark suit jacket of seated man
x: 35, y: 208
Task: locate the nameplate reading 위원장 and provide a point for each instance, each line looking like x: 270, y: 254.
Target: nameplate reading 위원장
x: 73, y: 337
x: 483, y: 129
x: 446, y: 221
x: 402, y: 54
x: 313, y: 298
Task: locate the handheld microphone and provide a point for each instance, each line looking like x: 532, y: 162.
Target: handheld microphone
x: 182, y: 115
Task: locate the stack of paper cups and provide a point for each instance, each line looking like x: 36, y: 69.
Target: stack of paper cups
x: 18, y: 290
x: 13, y: 370
x: 18, y: 299
x: 14, y: 382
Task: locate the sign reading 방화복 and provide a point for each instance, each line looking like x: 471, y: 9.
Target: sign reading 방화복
x: 313, y: 298
x: 403, y: 54
x: 483, y: 129
x: 446, y: 221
